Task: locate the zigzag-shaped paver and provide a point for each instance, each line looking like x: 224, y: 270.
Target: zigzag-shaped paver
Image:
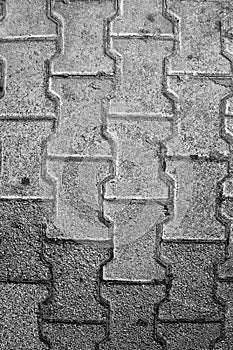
x: 138, y: 123
x: 136, y: 198
x: 27, y: 117
x: 116, y: 176
x: 197, y: 159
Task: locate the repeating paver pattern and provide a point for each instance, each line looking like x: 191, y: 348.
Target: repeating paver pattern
x: 116, y: 183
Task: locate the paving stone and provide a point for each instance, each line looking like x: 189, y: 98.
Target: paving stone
x: 22, y: 157
x: 192, y: 292
x: 116, y: 174
x: 25, y: 85
x: 195, y: 185
x: 140, y: 86
x: 70, y: 336
x: 21, y: 231
x: 78, y: 208
x: 135, y: 241
x: 30, y: 17
x: 191, y: 336
x: 81, y: 117
x: 138, y: 148
x: 19, y: 316
x: 83, y: 42
x: 141, y: 17
x: 132, y: 316
x: 225, y: 293
x: 79, y: 179
x: 75, y: 288
x: 201, y: 48
x: 198, y: 118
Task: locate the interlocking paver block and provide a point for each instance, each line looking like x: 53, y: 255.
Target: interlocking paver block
x: 198, y: 119
x: 19, y: 309
x: 81, y: 117
x: 195, y: 184
x: 135, y: 241
x: 200, y: 30
x: 141, y: 17
x: 23, y: 148
x: 116, y: 188
x: 132, y: 321
x: 77, y: 208
x: 68, y: 336
x: 83, y: 47
x: 192, y: 292
x: 21, y: 231
x: 138, y: 124
x: 200, y: 336
x: 29, y: 17
x: 138, y: 147
x: 140, y: 85
x: 25, y: 87
x: 75, y: 289
x: 192, y: 314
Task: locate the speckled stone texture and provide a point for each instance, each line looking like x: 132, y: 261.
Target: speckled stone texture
x: 116, y: 175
